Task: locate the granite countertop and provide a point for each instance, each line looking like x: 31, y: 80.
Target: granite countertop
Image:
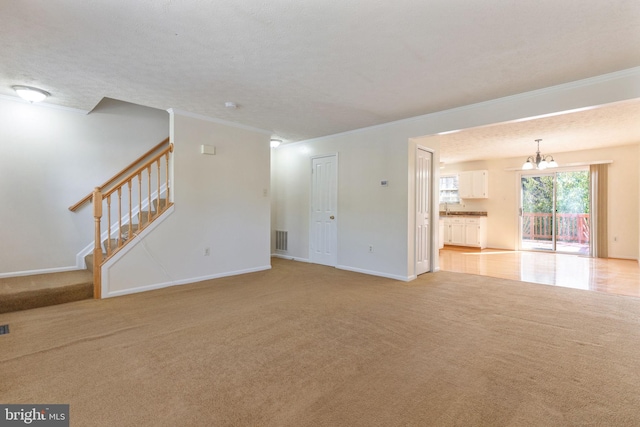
x: 463, y: 213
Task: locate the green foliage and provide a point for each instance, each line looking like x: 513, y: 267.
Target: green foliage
x: 537, y: 194
x: 572, y: 193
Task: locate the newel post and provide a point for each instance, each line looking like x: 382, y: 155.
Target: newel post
x: 97, y: 249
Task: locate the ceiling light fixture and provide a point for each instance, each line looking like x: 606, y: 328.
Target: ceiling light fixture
x: 540, y: 161
x: 31, y: 94
x: 231, y: 105
x: 275, y: 143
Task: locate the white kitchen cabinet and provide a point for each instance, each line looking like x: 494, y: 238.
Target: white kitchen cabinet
x: 456, y: 231
x: 473, y: 184
x: 465, y: 231
x: 476, y: 232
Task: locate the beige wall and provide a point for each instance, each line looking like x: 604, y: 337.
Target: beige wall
x: 502, y: 204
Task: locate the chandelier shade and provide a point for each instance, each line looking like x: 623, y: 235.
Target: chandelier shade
x: 539, y: 161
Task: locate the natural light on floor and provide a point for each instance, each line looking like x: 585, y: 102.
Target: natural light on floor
x: 618, y: 276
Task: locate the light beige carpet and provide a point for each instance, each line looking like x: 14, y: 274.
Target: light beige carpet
x: 307, y: 345
x: 41, y: 290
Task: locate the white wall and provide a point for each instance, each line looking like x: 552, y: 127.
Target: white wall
x: 369, y: 214
x: 50, y: 159
x: 221, y: 202
x: 502, y: 204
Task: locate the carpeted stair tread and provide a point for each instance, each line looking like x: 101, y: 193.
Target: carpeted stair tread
x: 39, y: 290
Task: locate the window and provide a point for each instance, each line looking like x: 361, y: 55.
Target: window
x: 449, y: 189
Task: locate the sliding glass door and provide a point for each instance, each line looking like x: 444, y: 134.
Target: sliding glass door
x: 554, y: 212
x: 536, y: 212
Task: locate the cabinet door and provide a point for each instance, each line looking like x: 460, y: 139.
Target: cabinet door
x: 472, y: 234
x: 447, y: 231
x: 479, y: 184
x: 465, y: 185
x: 457, y: 233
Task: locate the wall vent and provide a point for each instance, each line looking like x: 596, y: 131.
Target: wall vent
x: 4, y: 329
x: 282, y: 238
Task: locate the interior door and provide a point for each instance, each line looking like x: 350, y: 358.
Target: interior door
x: 423, y: 211
x: 324, y: 201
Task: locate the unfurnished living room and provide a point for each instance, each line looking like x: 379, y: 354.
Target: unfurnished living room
x: 320, y: 214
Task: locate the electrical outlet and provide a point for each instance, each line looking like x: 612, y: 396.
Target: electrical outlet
x: 207, y: 252
x: 370, y: 248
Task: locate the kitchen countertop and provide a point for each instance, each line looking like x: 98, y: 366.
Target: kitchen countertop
x: 462, y: 213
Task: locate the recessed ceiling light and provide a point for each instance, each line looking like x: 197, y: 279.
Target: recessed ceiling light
x: 31, y: 94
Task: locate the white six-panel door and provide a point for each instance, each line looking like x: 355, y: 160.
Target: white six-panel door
x: 423, y: 211
x: 324, y: 200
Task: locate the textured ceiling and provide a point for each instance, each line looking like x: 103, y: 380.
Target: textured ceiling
x: 606, y: 126
x: 311, y: 68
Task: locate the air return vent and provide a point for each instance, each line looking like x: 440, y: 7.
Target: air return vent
x: 4, y: 329
x: 282, y: 238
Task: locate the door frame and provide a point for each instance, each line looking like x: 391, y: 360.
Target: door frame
x: 432, y: 222
x: 311, y: 188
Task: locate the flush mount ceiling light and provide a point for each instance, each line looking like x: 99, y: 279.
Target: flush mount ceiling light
x: 540, y: 161
x: 231, y: 105
x: 31, y: 94
x: 275, y: 143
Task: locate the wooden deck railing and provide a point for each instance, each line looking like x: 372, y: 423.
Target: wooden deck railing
x: 124, y: 206
x: 570, y: 227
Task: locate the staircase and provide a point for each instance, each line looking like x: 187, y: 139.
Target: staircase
x: 41, y: 290
x: 124, y: 199
x: 110, y: 246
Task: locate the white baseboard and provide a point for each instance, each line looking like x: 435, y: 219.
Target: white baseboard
x: 40, y: 271
x: 356, y: 270
x: 184, y: 281
x: 376, y: 273
x: 292, y: 258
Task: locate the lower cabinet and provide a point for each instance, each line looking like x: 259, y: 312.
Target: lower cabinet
x: 464, y: 231
x: 457, y: 231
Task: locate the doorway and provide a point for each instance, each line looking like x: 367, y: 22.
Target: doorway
x: 554, y: 211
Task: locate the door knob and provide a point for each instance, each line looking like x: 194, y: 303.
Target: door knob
x: 332, y: 217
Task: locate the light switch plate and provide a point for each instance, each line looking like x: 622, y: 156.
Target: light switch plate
x: 208, y: 149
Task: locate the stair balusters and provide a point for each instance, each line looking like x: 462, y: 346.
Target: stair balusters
x: 141, y: 209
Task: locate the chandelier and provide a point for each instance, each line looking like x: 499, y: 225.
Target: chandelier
x: 540, y: 161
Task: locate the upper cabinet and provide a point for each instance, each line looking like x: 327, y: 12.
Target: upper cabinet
x: 473, y: 184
